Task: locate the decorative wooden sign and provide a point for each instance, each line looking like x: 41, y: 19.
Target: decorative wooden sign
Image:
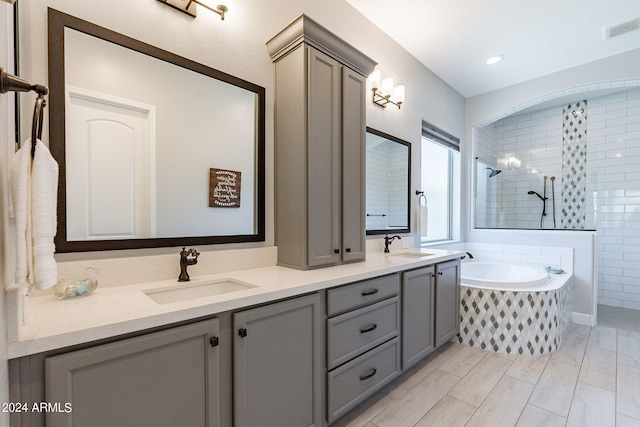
x: 224, y: 188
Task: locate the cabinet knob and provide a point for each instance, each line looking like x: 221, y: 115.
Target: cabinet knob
x: 369, y: 375
x: 214, y: 341
x: 336, y: 251
x: 348, y: 250
x: 439, y: 273
x: 242, y: 332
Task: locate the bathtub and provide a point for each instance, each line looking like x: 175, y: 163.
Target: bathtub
x: 513, y: 309
x: 492, y: 275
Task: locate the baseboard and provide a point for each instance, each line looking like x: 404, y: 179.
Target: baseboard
x: 583, y: 319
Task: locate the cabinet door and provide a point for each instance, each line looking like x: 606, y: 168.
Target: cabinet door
x: 323, y: 159
x: 447, y: 305
x: 277, y: 364
x: 353, y: 165
x: 167, y: 378
x: 417, y: 315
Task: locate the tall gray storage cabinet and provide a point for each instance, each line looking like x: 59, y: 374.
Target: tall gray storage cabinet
x: 319, y: 146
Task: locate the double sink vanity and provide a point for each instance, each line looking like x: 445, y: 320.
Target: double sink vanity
x: 265, y: 346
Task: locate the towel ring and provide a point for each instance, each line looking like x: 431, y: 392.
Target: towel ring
x: 36, y: 125
x: 421, y: 196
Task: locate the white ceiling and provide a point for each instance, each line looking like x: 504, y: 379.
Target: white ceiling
x: 454, y: 38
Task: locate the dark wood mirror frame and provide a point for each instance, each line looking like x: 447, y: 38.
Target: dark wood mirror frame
x: 396, y: 230
x: 58, y: 21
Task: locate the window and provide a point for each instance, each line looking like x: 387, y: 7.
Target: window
x: 439, y: 156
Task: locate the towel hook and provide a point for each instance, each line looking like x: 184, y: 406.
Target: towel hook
x: 11, y: 83
x: 421, y: 195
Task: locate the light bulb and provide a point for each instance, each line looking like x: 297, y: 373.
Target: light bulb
x: 398, y: 94
x: 374, y: 80
x: 387, y: 87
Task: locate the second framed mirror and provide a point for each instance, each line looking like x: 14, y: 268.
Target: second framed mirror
x: 388, y: 182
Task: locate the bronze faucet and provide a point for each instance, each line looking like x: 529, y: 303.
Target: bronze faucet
x: 388, y: 240
x: 185, y: 261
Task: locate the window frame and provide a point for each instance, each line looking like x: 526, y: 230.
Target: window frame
x: 435, y: 135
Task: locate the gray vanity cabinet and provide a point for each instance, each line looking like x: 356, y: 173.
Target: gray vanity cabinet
x: 320, y: 88
x: 278, y: 361
x: 430, y: 309
x: 363, y: 344
x: 447, y: 301
x: 418, y: 289
x: 168, y: 378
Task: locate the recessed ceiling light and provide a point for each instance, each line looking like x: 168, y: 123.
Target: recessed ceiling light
x: 495, y: 59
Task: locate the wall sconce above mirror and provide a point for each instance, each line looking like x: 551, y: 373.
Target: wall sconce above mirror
x: 388, y: 162
x: 189, y: 7
x: 384, y: 92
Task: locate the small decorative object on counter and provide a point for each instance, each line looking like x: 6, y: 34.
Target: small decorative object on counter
x: 74, y: 288
x: 551, y: 270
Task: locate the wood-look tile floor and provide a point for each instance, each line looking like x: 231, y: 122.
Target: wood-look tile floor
x: 592, y: 380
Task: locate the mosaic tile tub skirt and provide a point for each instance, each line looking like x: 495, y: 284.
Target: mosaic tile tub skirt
x: 515, y: 322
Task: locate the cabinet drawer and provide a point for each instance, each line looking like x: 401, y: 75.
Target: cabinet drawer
x: 355, y: 332
x: 353, y: 382
x: 358, y: 294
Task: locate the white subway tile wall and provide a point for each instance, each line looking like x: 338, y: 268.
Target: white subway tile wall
x: 527, y: 147
x: 613, y: 186
x: 386, y: 186
x: 377, y: 189
x: 613, y: 182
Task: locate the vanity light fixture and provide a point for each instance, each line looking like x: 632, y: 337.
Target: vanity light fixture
x: 384, y: 92
x: 189, y: 7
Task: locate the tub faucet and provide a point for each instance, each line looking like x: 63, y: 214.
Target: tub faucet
x: 470, y: 256
x: 388, y: 240
x: 185, y: 261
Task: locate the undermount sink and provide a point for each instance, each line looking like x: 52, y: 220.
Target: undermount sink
x: 410, y: 254
x: 188, y: 291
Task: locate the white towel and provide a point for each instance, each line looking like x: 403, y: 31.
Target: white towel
x: 423, y: 215
x: 34, y: 187
x: 20, y: 174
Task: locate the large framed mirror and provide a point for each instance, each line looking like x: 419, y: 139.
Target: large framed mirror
x: 388, y: 162
x: 154, y: 149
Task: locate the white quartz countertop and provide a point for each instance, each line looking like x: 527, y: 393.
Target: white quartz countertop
x: 111, y: 311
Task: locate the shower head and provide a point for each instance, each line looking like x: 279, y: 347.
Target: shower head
x: 531, y: 192
x: 494, y: 172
